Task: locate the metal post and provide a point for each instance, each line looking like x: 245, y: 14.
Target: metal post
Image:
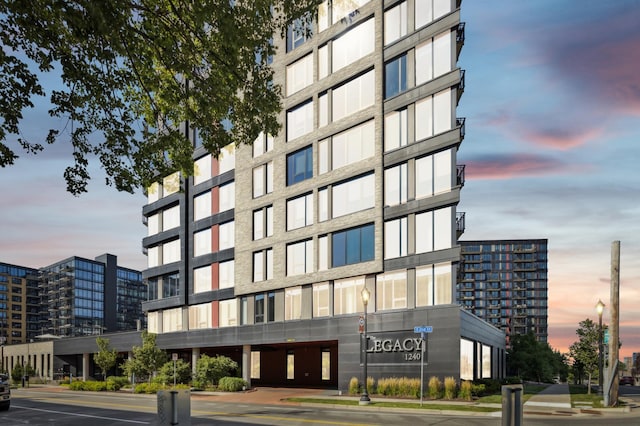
x: 364, y: 399
x: 421, y: 368
x: 600, y: 363
x: 174, y: 407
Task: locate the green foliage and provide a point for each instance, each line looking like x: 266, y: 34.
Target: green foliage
x: 92, y: 386
x: 17, y: 373
x: 585, y: 351
x: 231, y: 384
x: 491, y: 386
x: 450, y: 388
x: 131, y: 71
x: 147, y: 359
x: 182, y: 372
x: 209, y: 370
x: 354, y: 386
x: 479, y: 389
x: 120, y: 381
x: 533, y: 360
x: 465, y: 390
x: 371, y: 385
x: 435, y: 388
x: 106, y: 357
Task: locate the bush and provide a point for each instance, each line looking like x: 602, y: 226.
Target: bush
x: 209, y: 370
x: 478, y: 390
x: 149, y: 388
x: 118, y: 381
x: 492, y: 386
x: 354, y: 386
x: 449, y: 388
x: 465, y: 390
x: 435, y: 388
x: 231, y: 384
x: 371, y: 385
x: 88, y: 386
x: 402, y: 387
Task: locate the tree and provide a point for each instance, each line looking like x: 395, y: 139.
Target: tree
x: 147, y: 359
x: 132, y: 72
x: 209, y: 370
x: 533, y: 360
x: 182, y: 372
x: 105, y: 358
x: 585, y: 350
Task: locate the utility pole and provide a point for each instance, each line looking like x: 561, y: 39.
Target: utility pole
x: 611, y: 396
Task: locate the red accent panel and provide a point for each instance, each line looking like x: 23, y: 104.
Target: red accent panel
x: 215, y: 200
x: 215, y: 268
x: 215, y: 237
x: 215, y: 314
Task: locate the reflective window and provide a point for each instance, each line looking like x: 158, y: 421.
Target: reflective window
x: 354, y: 195
x: 391, y: 290
x: 300, y: 258
x: 263, y: 265
x: 395, y: 76
x: 298, y: 33
x: 226, y: 274
x: 202, y: 242
x: 395, y: 23
x: 395, y: 238
x: 202, y: 279
x: 346, y: 296
x: 353, y: 45
x: 433, y: 58
x: 226, y: 235
x: 396, y: 133
x: 299, y: 74
x: 293, y: 303
x: 227, y: 199
x: 430, y: 10
x: 263, y: 179
x: 263, y: 223
x: 171, y: 218
x: 321, y: 307
x: 300, y: 165
x: 228, y: 313
x: 202, y: 205
x: 353, y: 246
x: 395, y: 185
x: 171, y: 252
x: 202, y: 169
x: 300, y: 120
x: 200, y: 316
x: 262, y: 144
x: 434, y: 115
x: 300, y: 212
x: 227, y: 159
x: 353, y: 96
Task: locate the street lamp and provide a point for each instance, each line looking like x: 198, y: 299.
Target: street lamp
x: 599, y: 309
x: 364, y: 399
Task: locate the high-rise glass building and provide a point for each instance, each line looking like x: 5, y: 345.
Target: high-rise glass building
x: 263, y: 254
x: 504, y: 282
x: 19, y: 304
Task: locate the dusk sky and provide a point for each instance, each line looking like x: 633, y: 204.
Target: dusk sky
x: 552, y: 150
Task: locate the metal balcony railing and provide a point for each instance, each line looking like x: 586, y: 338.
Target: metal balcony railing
x: 460, y: 175
x: 460, y: 123
x: 460, y: 226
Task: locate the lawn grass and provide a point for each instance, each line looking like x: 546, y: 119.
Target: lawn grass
x: 528, y: 391
x: 579, y: 395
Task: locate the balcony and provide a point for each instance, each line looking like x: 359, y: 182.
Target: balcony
x: 460, y: 226
x: 460, y: 124
x: 460, y: 175
x: 459, y: 39
x: 460, y: 88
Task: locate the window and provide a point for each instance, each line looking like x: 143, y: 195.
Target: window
x: 263, y: 223
x: 300, y: 258
x: 353, y: 246
x: 291, y: 364
x: 228, y: 313
x: 430, y: 10
x: 300, y: 120
x: 154, y: 192
x: 153, y: 224
x: 323, y: 62
x: 395, y: 77
x: 259, y: 309
x: 433, y: 58
x: 299, y: 74
x: 300, y: 165
x: 298, y: 33
x: 300, y: 212
x: 263, y: 265
x: 391, y: 290
x: 226, y: 274
x: 433, y: 174
x: 153, y: 256
x: 395, y: 185
x: 171, y: 218
x: 255, y: 364
x: 172, y: 320
x: 170, y: 285
x: 354, y: 195
x: 434, y: 285
x: 326, y: 365
x: 353, y: 96
x: 395, y: 23
x: 202, y: 279
x: 226, y: 235
x: 202, y: 169
x: 433, y: 115
x: 202, y: 206
x: 396, y: 132
x: 353, y: 45
x: 466, y: 359
x: 395, y: 238
x: 171, y: 252
x: 263, y: 180
x: 434, y: 230
x: 321, y: 300
x: 153, y: 323
x: 262, y: 144
x: 227, y: 159
x: 202, y: 242
x: 486, y: 362
x: 171, y: 184
x: 227, y: 199
x: 346, y: 296
x: 200, y: 316
x: 293, y: 303
x: 323, y: 253
x: 348, y: 147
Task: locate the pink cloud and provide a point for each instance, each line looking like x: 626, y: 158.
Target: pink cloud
x: 559, y: 137
x: 510, y: 166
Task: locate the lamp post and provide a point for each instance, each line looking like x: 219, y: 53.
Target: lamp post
x: 599, y: 309
x: 364, y: 398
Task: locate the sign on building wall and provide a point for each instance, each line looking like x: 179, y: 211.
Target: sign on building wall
x: 388, y: 348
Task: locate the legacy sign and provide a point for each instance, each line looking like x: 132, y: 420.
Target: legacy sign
x: 396, y: 347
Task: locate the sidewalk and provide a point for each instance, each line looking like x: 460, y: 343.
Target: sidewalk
x: 555, y: 399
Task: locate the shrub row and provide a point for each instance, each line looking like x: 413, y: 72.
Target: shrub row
x: 405, y: 387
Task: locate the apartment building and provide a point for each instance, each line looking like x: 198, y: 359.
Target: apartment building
x: 19, y: 304
x: 504, y: 282
x: 265, y: 253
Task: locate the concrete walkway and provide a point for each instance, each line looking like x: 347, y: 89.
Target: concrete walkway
x: 555, y: 399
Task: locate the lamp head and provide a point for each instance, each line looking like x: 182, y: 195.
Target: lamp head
x: 599, y: 307
x: 365, y: 293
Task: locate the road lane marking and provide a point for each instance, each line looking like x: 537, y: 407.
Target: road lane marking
x: 79, y: 414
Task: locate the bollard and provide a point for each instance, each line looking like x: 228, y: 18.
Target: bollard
x: 174, y: 407
x: 512, y: 405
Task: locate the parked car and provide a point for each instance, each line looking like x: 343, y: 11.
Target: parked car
x: 627, y: 380
x: 5, y: 392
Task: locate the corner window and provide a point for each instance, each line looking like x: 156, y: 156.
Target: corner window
x: 353, y: 246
